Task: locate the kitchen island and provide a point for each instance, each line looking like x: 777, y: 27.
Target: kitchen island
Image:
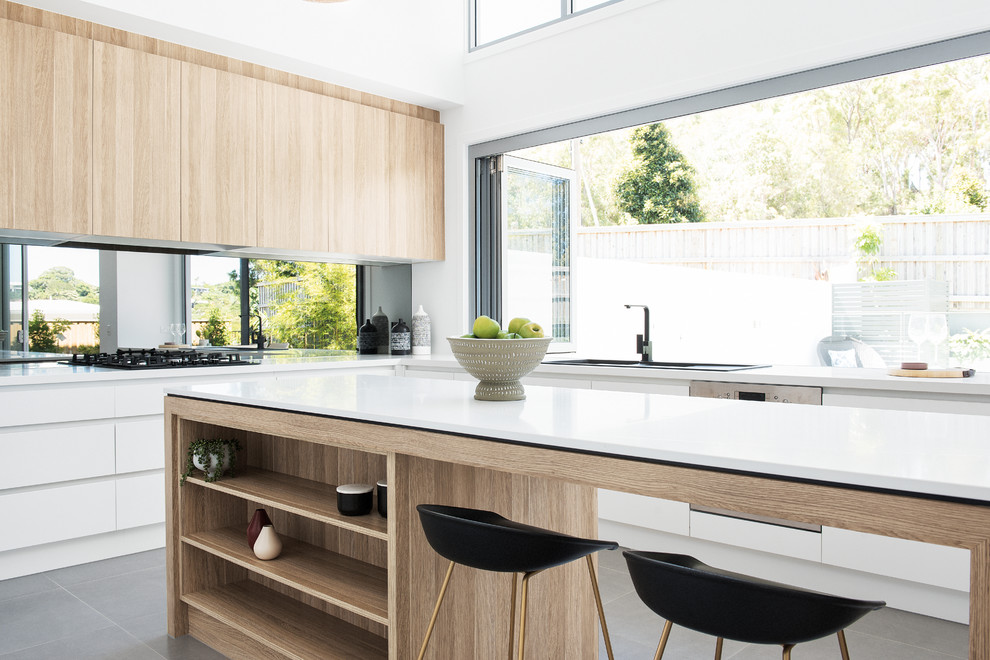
x: 920, y: 476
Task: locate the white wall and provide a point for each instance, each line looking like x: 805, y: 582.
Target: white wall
x: 695, y: 315
x: 139, y: 293
x: 405, y: 49
x: 640, y: 52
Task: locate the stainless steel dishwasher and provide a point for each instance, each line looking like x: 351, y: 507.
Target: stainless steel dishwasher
x: 800, y: 394
x: 756, y: 392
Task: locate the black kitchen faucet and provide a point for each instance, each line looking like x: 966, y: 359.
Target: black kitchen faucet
x: 643, y: 344
x: 258, y: 337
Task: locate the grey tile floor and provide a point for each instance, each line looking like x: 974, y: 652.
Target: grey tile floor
x: 115, y: 610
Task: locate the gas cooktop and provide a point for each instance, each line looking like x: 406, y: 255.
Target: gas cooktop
x: 152, y: 358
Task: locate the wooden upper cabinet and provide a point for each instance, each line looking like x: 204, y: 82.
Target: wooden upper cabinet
x: 295, y: 188
x: 135, y: 144
x: 415, y: 176
x: 45, y: 129
x: 219, y: 159
x: 359, y: 216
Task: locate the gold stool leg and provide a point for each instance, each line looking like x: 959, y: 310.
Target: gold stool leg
x: 512, y: 615
x: 663, y: 640
x: 842, y: 644
x: 601, y: 610
x: 787, y: 652
x: 718, y: 648
x: 436, y: 610
x: 522, y: 614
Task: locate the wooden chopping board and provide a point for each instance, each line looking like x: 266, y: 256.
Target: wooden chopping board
x: 932, y: 373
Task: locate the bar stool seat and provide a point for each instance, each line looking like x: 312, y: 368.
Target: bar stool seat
x: 488, y: 541
x: 688, y: 592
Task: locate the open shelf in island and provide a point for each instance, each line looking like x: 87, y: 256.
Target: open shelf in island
x: 274, y: 622
x: 304, y: 497
x: 337, y: 579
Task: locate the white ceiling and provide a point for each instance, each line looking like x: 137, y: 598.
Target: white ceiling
x: 411, y: 50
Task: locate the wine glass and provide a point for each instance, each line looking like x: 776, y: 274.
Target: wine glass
x: 173, y: 330
x: 180, y: 331
x: 918, y: 330
x: 936, y: 331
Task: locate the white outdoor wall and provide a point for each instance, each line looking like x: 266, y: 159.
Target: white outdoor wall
x: 405, y: 49
x: 148, y: 295
x: 695, y: 315
x: 640, y: 52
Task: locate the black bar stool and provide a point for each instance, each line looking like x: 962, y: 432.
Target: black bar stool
x: 692, y: 594
x: 487, y: 541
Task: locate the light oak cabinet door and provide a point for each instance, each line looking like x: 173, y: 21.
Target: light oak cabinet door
x: 415, y: 175
x: 45, y: 129
x: 295, y: 185
x: 360, y: 211
x: 219, y: 172
x: 135, y: 144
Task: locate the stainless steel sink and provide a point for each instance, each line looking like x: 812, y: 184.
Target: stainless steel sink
x: 638, y: 364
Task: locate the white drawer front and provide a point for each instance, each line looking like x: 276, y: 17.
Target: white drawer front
x: 777, y: 539
x: 937, y: 565
x: 134, y: 399
x: 54, y: 453
x: 429, y: 373
x: 641, y: 386
x: 50, y: 405
x: 147, y: 397
x: 642, y: 511
x: 56, y: 514
x: 140, y: 500
x: 572, y: 383
x: 140, y: 445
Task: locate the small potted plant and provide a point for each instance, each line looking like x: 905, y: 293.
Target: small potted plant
x: 213, y: 456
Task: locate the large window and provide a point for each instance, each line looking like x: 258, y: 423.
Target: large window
x: 847, y: 225
x: 495, y: 20
x: 58, y: 311
x: 297, y: 304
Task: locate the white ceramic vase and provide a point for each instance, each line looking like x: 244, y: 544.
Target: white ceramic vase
x: 215, y: 464
x: 421, y: 340
x: 268, y: 545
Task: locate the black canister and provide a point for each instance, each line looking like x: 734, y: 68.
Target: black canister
x: 400, y: 339
x: 367, y: 338
x: 355, y: 499
x: 382, y: 498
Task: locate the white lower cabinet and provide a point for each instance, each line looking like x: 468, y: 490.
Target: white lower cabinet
x: 937, y: 565
x: 646, y: 387
x: 643, y: 511
x: 140, y: 444
x: 413, y: 372
x: 55, y: 452
x: 776, y: 539
x: 572, y: 383
x: 51, y: 404
x: 55, y: 514
x: 140, y: 500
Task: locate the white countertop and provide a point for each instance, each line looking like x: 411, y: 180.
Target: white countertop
x: 30, y: 356
x: 53, y: 373
x: 917, y: 452
x: 831, y: 379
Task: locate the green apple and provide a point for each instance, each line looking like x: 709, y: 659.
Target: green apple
x: 502, y: 335
x: 531, y: 331
x: 513, y: 335
x: 517, y: 323
x: 485, y: 328
x: 469, y: 335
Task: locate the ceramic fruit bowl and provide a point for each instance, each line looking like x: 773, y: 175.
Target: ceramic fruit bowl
x: 498, y: 364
